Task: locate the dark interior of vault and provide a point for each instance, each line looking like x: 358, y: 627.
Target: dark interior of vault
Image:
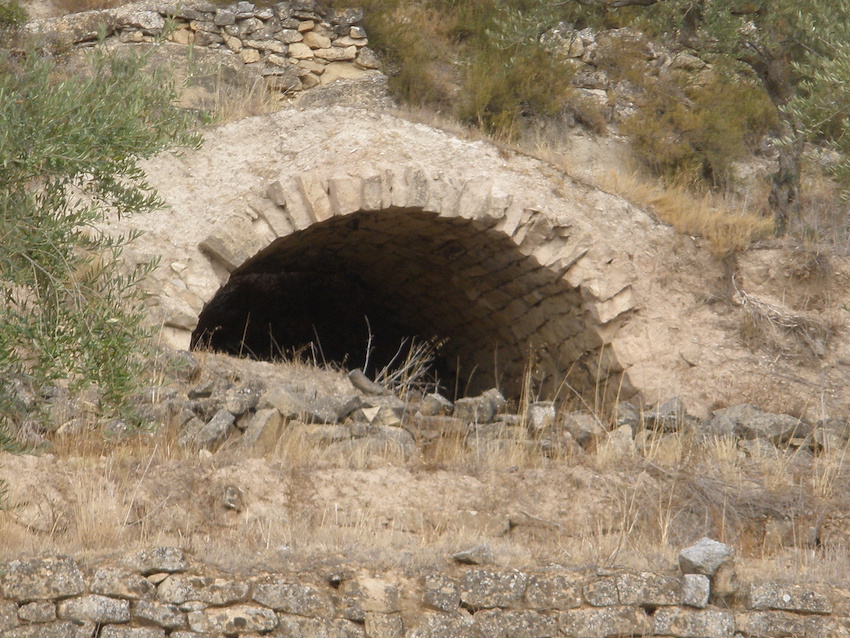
x: 381, y: 281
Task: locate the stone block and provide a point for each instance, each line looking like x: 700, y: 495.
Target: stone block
x: 61, y: 629
x: 441, y: 593
x: 94, y: 608
x: 212, y: 591
x: 604, y: 622
x: 780, y: 624
x: 151, y: 612
x: 474, y: 199
x: 336, y: 54
x: 120, y: 583
x: 693, y: 623
x: 41, y: 579
x: 485, y: 589
x: 648, y: 590
x: 294, y: 598
x: 786, y: 598
x: 376, y: 191
x: 345, y: 194
x: 554, y: 592
x: 283, y: 193
x: 409, y: 187
x: 619, y: 304
x: 602, y: 592
x: 696, y: 589
x: 313, y: 191
x: 119, y: 631
x: 497, y: 623
x: 459, y: 625
x: 705, y: 557
x: 161, y: 559
x: 379, y: 625
x: 37, y: 612
x: 263, y: 432
x: 239, y: 619
x: 226, y: 248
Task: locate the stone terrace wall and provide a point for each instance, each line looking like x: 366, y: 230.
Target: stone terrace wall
x: 159, y: 592
x: 292, y: 44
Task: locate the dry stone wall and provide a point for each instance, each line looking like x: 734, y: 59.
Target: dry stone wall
x: 162, y: 592
x: 291, y: 44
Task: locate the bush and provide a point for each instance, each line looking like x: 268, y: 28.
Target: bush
x: 12, y: 15
x: 692, y: 132
x: 69, y: 153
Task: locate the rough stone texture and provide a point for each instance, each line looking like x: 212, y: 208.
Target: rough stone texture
x: 787, y: 598
x: 648, y: 590
x: 779, y: 624
x: 117, y: 631
x: 696, y: 589
x: 213, y: 591
x: 441, y: 592
x: 232, y: 620
x: 554, y: 592
x: 158, y: 559
x: 151, y: 612
x: 516, y: 624
x: 705, y: 557
x: 94, y: 608
x: 607, y: 622
x: 692, y: 623
x: 383, y: 625
x: 460, y: 625
x: 482, y: 588
x: 41, y: 579
x: 120, y: 583
x: 37, y: 612
x: 602, y: 592
x: 294, y: 598
x: 62, y: 629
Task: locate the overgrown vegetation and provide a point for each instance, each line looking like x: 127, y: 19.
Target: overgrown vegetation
x: 70, y: 147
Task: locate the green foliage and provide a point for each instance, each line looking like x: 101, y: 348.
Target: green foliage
x: 12, y: 15
x: 503, y: 89
x: 69, y: 153
x: 692, y: 133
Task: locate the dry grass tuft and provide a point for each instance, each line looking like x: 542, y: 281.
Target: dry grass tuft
x: 707, y: 216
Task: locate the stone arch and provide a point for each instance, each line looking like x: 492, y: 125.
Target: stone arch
x: 458, y: 259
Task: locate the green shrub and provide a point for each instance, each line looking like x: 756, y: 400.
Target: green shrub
x: 12, y: 15
x: 69, y: 152
x: 693, y: 132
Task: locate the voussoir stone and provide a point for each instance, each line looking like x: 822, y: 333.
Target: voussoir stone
x: 484, y: 588
x: 120, y: 583
x: 94, y: 608
x: 294, y: 598
x: 41, y: 579
x: 213, y: 591
x: 156, y: 560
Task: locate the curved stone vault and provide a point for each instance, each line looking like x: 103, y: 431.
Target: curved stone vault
x: 482, y: 259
